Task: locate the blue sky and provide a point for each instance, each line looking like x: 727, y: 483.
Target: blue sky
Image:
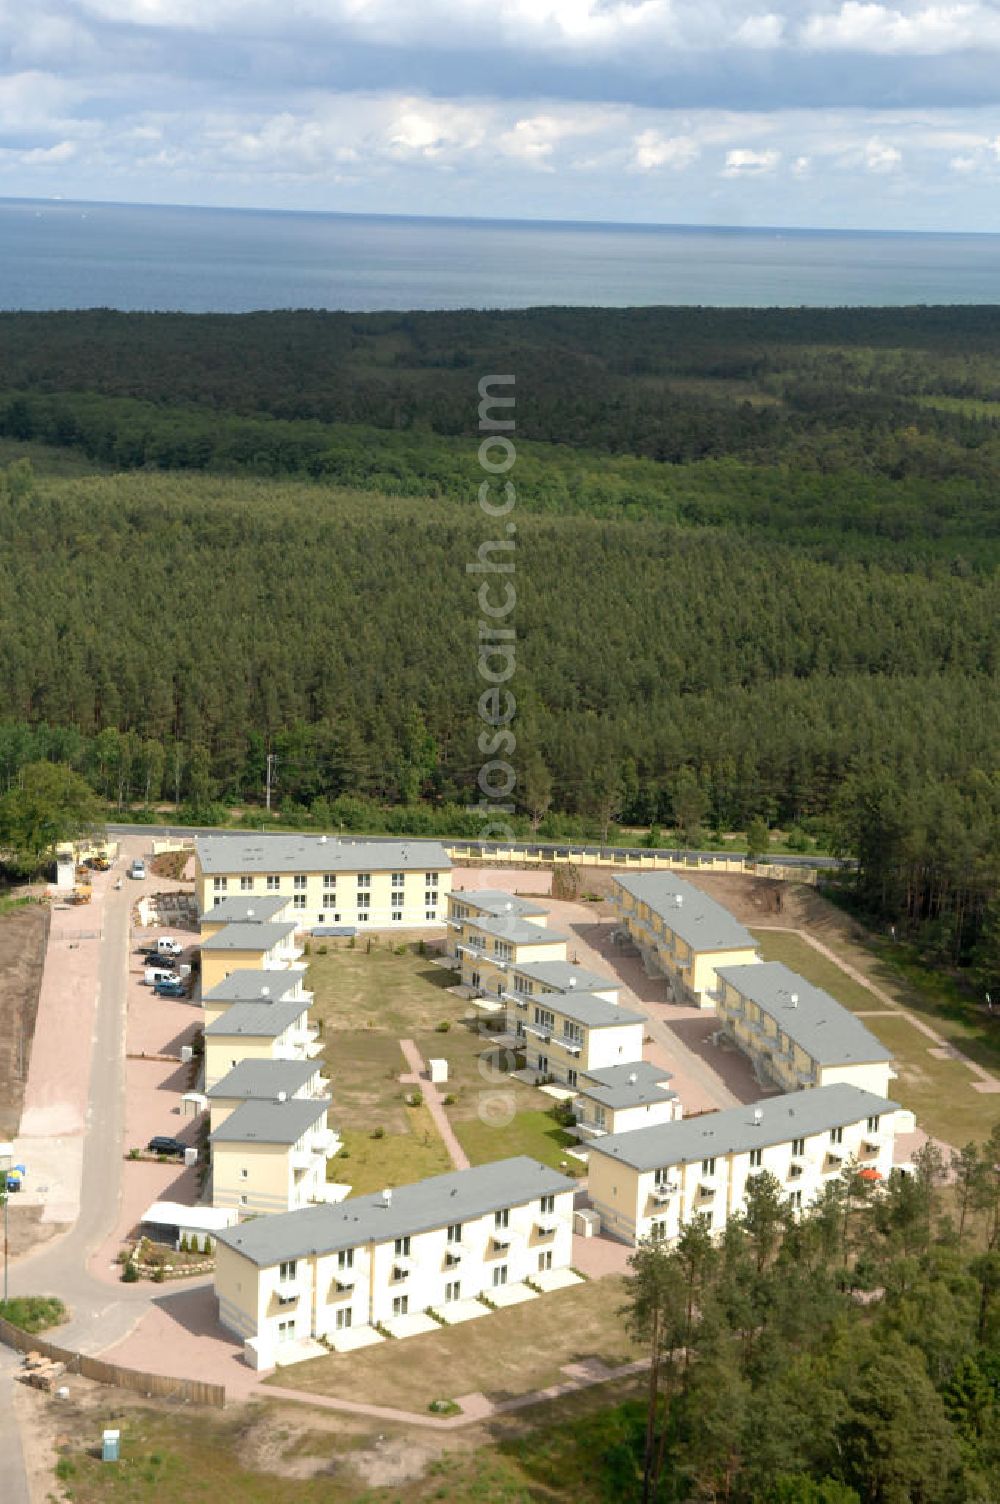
x: 838, y: 113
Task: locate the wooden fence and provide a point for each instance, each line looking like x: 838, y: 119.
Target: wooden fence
x: 189, y: 1391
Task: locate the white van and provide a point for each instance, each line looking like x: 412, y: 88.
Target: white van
x: 137, y: 869
x: 167, y: 947
x: 156, y: 974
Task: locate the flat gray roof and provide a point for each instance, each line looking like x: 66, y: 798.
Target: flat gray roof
x: 494, y: 901
x: 248, y: 937
x: 699, y: 920
x: 797, y: 1114
x: 251, y: 985
x: 819, y: 1024
x: 297, y: 853
x: 264, y: 1079
x: 260, y: 1020
x: 245, y: 908
x: 627, y: 1085
x: 258, y: 1122
x: 563, y: 976
x: 460, y: 1196
x: 585, y: 1008
x: 518, y: 931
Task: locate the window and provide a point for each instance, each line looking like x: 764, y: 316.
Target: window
x: 430, y: 913
x: 345, y: 1258
x: 329, y: 879
x: 298, y: 900
x: 503, y: 950
x: 795, y: 1200
x: 756, y: 1158
x: 600, y: 1116
x: 364, y: 879
x: 708, y: 1167
x: 364, y: 902
x: 453, y: 1291
x: 544, y: 1019
x: 286, y: 1331
x: 246, y: 884
x: 272, y: 882
x: 400, y: 1305
x: 244, y: 1201
x: 572, y: 1032
x: 455, y: 1233
x: 286, y: 1270
x: 798, y: 1147
x: 502, y: 1218
x: 401, y: 1247
x: 707, y: 1219
x: 344, y: 1317
x: 658, y: 1230
x: 476, y: 980
x: 398, y: 879
x: 430, y: 898
x: 299, y: 883
x: 571, y: 1077
x: 836, y: 1135
x: 873, y: 1125
x: 430, y: 879
x: 220, y: 884
x: 500, y: 1275
x: 397, y: 915
x: 244, y: 1174
x: 548, y: 1205
x: 544, y: 1260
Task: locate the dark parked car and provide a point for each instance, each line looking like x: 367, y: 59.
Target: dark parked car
x: 164, y: 1145
x: 170, y: 989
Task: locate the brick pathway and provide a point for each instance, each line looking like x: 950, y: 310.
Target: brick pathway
x: 420, y: 1076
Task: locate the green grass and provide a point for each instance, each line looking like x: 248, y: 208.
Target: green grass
x: 532, y: 1131
x: 940, y: 1092
x: 33, y: 1313
x: 395, y: 1159
x: 797, y: 953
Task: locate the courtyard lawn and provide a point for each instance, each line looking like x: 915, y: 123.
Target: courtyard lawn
x: 800, y: 956
x: 505, y: 1353
x: 371, y: 1164
x: 940, y: 1092
x: 379, y: 988
x: 530, y: 1131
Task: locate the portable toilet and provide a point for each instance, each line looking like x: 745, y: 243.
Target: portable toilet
x: 111, y: 1442
x: 438, y: 1071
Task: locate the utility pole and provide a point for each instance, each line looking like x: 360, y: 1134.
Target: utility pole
x: 272, y: 763
x: 4, y: 1197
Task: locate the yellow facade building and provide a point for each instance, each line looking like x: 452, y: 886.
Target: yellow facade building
x: 270, y: 1156
x: 682, y: 932
x: 247, y: 947
x: 259, y: 1031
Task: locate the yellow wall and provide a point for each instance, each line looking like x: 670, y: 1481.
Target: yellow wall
x: 341, y: 899
x: 216, y: 965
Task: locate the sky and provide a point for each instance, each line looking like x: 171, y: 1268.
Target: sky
x: 827, y: 113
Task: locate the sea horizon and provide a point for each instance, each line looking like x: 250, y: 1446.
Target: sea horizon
x: 232, y: 259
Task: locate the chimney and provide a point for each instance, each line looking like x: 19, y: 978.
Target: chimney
x: 680, y: 900
x: 249, y: 913
x: 265, y: 992
x: 572, y: 981
x: 322, y: 840
x: 282, y: 1096
x: 758, y: 1116
x: 795, y: 1000
x: 633, y: 1078
x: 387, y: 1196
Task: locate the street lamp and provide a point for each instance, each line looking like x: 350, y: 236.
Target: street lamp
x: 4, y: 1198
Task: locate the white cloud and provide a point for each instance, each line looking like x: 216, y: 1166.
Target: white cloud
x: 652, y: 150
x: 964, y: 164
x: 534, y: 139
x: 762, y: 32
x: 881, y: 157
x: 858, y: 26
x: 801, y: 166
x: 741, y: 162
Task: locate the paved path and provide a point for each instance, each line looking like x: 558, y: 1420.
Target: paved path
x: 13, y: 1476
x: 985, y: 1081
x: 420, y: 1076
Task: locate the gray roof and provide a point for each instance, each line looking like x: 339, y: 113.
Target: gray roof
x: 259, y: 1020
x: 494, y: 901
x: 460, y: 1196
x: 817, y: 1023
x: 585, y: 1008
x: 298, y: 853
x: 264, y: 1079
x: 251, y: 985
x: 518, y: 931
x: 244, y: 908
x: 627, y: 1085
x: 248, y: 937
x: 697, y: 919
x: 563, y: 976
x: 258, y: 1122
x: 797, y: 1114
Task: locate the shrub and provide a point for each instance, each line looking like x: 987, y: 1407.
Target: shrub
x: 321, y: 950
x: 130, y: 1273
x: 377, y: 1132
x: 307, y: 947
x: 414, y: 1098
x: 33, y: 1313
x: 65, y: 1469
x: 134, y: 1153
x: 442, y: 1027
x: 159, y: 1274
x: 206, y: 1244
x: 448, y: 1099
x: 185, y: 1247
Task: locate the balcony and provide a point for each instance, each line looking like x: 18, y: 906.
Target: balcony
x: 345, y: 1280
x: 591, y: 1129
x: 501, y: 1237
x: 326, y: 1141
x: 569, y: 1045
x: 547, y: 1226
x: 539, y: 1031
x: 665, y: 1190
x: 402, y: 1268
x: 287, y: 1291
x: 302, y: 1159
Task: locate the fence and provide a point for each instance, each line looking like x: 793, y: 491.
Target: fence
x: 190, y: 1391
x: 642, y: 859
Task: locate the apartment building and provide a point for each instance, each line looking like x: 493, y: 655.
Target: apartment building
x: 374, y: 1259
x: 797, y: 1035
x: 682, y: 932
x: 564, y: 1035
x: 488, y: 949
x: 259, y: 1031
x: 270, y: 908
x: 487, y: 903
x: 621, y: 1098
x: 265, y: 1081
x: 361, y: 884
x: 649, y: 1182
x: 531, y: 979
x: 249, y: 985
x: 270, y: 1156
x: 247, y: 947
